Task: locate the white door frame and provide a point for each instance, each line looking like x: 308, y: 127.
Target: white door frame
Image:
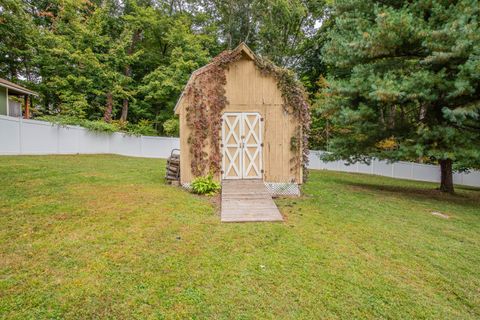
x: 246, y: 158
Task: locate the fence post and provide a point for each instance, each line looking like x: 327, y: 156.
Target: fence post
x: 109, y: 148
x: 58, y: 139
x: 393, y: 175
x: 20, y: 128
x: 78, y: 130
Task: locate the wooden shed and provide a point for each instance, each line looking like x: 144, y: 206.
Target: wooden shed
x: 236, y: 124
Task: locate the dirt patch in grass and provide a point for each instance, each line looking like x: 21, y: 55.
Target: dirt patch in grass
x: 439, y: 214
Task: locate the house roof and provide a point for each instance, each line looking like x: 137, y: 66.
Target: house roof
x: 242, y: 47
x: 15, y: 88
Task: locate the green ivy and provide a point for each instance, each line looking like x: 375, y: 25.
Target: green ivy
x: 295, y: 103
x: 144, y: 127
x: 207, y: 99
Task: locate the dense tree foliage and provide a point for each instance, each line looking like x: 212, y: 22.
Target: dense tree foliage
x: 129, y: 60
x: 404, y: 82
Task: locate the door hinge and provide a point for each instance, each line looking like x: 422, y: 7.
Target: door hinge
x: 261, y: 119
x: 222, y: 172
x: 262, y: 171
x: 261, y: 144
x: 221, y: 145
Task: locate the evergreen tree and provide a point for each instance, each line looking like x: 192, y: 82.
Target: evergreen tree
x: 404, y: 82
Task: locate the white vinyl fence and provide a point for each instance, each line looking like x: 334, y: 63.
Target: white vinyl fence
x: 401, y: 170
x: 20, y: 136
x: 32, y: 137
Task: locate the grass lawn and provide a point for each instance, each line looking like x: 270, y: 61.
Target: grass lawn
x: 102, y: 237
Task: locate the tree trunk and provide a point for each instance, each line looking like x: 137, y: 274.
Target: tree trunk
x: 446, y: 180
x: 124, y: 115
x: 128, y: 73
x: 107, y: 116
x: 128, y: 70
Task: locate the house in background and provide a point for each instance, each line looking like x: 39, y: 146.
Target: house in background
x: 13, y: 107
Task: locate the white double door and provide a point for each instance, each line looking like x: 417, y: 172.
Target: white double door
x: 241, y: 145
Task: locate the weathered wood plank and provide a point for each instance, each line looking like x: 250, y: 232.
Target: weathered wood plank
x: 247, y: 201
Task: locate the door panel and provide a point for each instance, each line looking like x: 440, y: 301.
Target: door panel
x: 242, y: 146
x: 252, y: 149
x: 232, y: 143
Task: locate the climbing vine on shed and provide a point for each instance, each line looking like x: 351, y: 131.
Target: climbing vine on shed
x: 295, y: 103
x: 206, y: 96
x: 206, y: 100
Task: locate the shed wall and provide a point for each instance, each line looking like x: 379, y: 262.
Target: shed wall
x: 247, y: 90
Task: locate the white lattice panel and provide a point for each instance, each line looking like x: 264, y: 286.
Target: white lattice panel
x: 283, y: 189
x: 187, y: 186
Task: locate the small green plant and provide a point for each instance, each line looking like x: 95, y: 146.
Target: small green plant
x: 205, y: 185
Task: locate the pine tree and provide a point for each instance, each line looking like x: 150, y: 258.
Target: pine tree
x: 404, y: 82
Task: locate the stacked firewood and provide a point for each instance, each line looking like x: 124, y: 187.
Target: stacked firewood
x: 172, y: 172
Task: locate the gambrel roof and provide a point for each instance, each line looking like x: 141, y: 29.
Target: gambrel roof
x: 242, y: 47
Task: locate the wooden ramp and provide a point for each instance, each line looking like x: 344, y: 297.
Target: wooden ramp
x: 247, y: 201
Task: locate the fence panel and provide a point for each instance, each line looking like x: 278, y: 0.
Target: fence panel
x: 471, y: 179
x: 92, y: 142
x: 382, y: 168
x: 125, y: 145
x: 364, y: 168
x: 68, y: 139
x: 402, y: 170
x: 150, y: 144
x: 38, y: 138
x: 9, y: 136
x: 426, y: 172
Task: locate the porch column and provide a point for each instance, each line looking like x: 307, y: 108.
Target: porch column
x: 27, y: 107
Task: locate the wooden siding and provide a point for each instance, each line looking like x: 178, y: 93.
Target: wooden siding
x: 246, y: 86
x: 249, y: 91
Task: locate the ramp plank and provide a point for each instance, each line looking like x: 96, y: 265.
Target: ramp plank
x: 247, y: 201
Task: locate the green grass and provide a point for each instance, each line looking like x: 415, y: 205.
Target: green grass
x: 102, y: 237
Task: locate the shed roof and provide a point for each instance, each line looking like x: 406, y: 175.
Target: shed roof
x: 15, y: 88
x: 242, y: 47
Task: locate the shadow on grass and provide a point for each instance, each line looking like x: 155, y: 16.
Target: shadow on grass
x: 464, y: 196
